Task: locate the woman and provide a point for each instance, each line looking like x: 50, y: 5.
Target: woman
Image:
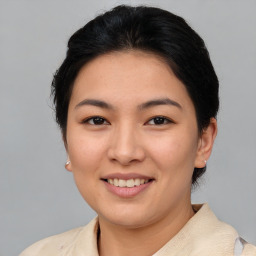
x: 136, y: 100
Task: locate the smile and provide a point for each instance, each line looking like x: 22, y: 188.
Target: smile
x: 127, y: 183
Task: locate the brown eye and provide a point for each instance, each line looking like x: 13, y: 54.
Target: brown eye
x: 158, y: 120
x: 96, y: 120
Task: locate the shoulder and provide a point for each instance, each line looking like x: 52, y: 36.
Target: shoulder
x: 222, y: 238
x: 249, y: 250
x: 51, y: 245
x: 61, y: 243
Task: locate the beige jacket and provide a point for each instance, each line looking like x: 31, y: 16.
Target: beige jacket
x: 203, y: 235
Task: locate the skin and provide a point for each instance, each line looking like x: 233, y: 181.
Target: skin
x: 129, y: 141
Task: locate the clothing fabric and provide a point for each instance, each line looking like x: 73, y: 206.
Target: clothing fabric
x: 203, y: 235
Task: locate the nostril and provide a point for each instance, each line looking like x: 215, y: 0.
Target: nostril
x: 126, y: 156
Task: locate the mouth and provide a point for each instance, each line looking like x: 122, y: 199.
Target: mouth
x: 130, y: 183
x: 127, y: 186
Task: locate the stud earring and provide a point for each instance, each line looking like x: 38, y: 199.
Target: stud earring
x: 205, y: 161
x: 67, y: 163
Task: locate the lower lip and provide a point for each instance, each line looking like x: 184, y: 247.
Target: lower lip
x: 127, y: 192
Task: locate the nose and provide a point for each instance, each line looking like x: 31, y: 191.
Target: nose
x: 125, y: 146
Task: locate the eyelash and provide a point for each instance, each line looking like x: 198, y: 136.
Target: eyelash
x: 166, y: 120
x: 87, y: 121
x: 103, y: 120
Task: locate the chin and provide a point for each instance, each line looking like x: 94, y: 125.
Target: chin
x: 129, y: 218
x: 127, y: 221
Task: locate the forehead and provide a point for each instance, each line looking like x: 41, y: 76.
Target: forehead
x: 128, y: 76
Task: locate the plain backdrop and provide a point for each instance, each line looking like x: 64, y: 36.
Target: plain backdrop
x: 38, y: 197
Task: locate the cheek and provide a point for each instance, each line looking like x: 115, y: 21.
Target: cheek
x: 85, y: 152
x: 174, y: 151
x: 86, y: 155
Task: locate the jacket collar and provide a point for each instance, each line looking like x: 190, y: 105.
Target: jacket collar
x: 203, y: 234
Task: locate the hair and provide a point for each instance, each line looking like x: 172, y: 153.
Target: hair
x: 147, y: 29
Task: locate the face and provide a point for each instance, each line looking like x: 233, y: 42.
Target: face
x: 132, y: 138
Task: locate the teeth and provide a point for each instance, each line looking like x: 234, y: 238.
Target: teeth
x: 122, y: 183
x: 130, y: 183
x: 116, y: 183
x: 127, y: 183
x: 137, y: 182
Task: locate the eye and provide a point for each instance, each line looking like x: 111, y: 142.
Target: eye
x: 159, y: 120
x: 96, y: 120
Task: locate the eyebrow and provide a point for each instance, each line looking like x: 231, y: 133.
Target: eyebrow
x: 157, y: 102
x: 96, y: 103
x: 145, y: 105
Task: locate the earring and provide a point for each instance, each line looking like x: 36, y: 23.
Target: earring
x: 67, y: 163
x: 205, y: 161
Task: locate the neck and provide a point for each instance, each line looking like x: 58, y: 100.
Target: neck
x: 117, y: 240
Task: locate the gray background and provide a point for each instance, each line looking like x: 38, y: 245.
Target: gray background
x: 38, y: 197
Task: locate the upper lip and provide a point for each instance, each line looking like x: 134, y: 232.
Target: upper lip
x: 126, y: 176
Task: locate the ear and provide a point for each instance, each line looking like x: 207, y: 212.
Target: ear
x: 68, y: 163
x: 64, y: 139
x: 205, y: 144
